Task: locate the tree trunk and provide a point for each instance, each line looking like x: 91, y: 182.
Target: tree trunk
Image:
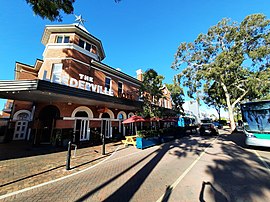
x: 230, y: 106
x: 231, y: 117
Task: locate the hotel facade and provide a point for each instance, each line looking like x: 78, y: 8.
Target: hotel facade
x: 70, y: 93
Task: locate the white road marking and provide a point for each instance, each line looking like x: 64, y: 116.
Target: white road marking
x: 56, y: 180
x: 263, y: 161
x: 171, y: 187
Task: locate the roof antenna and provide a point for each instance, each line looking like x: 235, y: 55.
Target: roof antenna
x: 79, y: 20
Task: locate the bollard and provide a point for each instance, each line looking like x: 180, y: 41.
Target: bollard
x: 68, y: 156
x: 103, y: 144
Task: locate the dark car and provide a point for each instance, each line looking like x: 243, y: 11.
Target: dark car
x: 208, y: 128
x: 218, y: 125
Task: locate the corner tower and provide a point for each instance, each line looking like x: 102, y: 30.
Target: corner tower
x: 69, y: 49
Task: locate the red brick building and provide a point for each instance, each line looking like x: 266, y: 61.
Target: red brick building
x: 71, y: 94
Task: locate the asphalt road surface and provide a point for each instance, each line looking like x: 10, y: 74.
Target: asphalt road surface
x: 192, y: 168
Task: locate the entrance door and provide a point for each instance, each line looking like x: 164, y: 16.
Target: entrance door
x: 21, y: 126
x: 82, y: 127
x: 106, y: 126
x: 20, y: 130
x: 47, y: 117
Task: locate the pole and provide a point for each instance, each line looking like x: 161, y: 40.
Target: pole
x: 103, y: 136
x: 68, y: 156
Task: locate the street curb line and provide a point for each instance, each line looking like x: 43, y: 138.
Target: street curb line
x: 56, y: 180
x: 171, y: 187
x: 263, y: 161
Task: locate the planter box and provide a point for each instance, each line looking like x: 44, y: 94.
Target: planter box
x: 142, y: 143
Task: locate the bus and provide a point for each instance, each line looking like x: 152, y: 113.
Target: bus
x: 256, y: 122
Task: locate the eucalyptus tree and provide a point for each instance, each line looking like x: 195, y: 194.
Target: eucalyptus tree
x: 177, y: 95
x: 214, y: 96
x: 234, y: 55
x: 151, y: 92
x: 51, y: 9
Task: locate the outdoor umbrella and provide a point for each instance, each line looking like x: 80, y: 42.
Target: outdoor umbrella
x: 134, y: 119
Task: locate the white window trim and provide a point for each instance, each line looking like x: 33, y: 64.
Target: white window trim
x: 63, y: 38
x: 109, y: 112
x: 110, y: 82
x: 83, y: 109
x: 122, y: 86
x: 15, y: 116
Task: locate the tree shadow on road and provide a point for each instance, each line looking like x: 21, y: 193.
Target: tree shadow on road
x: 131, y: 186
x: 242, y: 175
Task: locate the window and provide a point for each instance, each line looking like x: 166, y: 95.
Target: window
x: 120, y: 88
x: 88, y: 46
x: 81, y: 43
x: 56, y: 70
x: 66, y: 39
x: 59, y: 39
x: 108, y: 83
x: 62, y: 39
x: 94, y: 49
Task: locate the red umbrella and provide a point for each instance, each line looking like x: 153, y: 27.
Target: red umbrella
x: 134, y: 119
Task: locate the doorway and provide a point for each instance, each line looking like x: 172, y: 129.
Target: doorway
x: 106, y: 125
x: 47, y: 117
x: 82, y: 127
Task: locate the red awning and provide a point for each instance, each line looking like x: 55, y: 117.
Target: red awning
x: 134, y: 119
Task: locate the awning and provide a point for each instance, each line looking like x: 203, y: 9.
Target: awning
x: 133, y: 119
x: 45, y: 91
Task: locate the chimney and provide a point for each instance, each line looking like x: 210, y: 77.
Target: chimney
x: 139, y: 74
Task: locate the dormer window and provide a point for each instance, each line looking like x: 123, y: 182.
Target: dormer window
x: 108, y: 83
x: 81, y: 43
x: 62, y: 39
x: 93, y: 49
x: 87, y: 46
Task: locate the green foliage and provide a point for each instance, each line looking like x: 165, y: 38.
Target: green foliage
x: 50, y: 9
x: 151, y: 93
x: 214, y: 96
x: 177, y: 94
x: 234, y: 56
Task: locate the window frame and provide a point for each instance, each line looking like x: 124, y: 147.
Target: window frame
x: 122, y: 89
x: 63, y: 39
x: 110, y: 82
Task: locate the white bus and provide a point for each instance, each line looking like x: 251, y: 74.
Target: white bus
x: 256, y: 120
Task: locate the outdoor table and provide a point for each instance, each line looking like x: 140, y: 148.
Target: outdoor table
x: 130, y: 140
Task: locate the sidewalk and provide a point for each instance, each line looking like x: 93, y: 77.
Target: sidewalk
x: 23, y: 166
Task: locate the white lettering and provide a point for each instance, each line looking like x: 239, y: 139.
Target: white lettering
x: 87, y: 86
x: 81, y: 76
x: 94, y: 87
x: 45, y: 76
x: 65, y: 79
x: 56, y: 78
x: 73, y: 82
x: 81, y: 84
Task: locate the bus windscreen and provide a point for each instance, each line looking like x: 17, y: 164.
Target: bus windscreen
x: 256, y: 116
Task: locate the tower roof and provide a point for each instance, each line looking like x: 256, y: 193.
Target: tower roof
x: 77, y: 28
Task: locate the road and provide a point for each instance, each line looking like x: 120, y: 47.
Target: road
x: 192, y: 168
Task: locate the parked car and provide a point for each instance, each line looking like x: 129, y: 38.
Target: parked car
x: 208, y: 128
x: 218, y: 125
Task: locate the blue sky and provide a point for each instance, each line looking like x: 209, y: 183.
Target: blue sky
x: 138, y: 34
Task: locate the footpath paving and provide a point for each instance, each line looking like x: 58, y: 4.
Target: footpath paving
x: 23, y: 166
